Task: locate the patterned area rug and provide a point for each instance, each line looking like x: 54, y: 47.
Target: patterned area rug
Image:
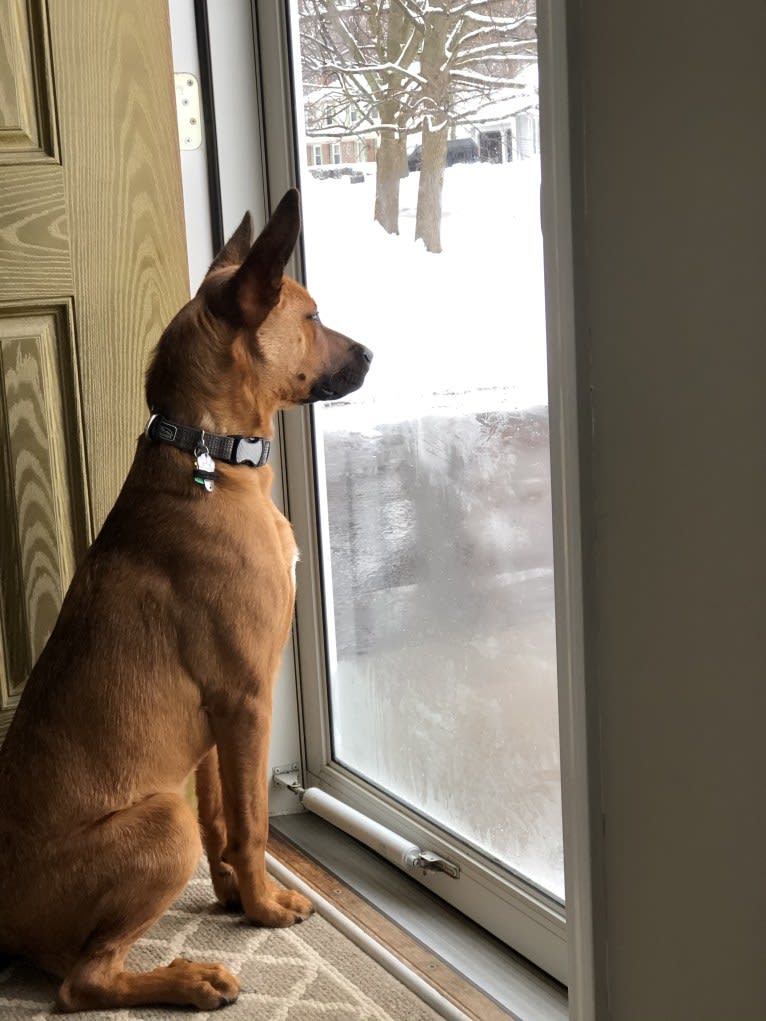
x: 309, y: 972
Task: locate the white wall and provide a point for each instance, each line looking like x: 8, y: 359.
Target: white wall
x: 669, y: 146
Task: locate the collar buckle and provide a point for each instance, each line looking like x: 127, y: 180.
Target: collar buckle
x: 252, y: 450
x: 159, y: 428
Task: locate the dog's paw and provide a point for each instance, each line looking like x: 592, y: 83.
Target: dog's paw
x: 208, y: 986
x: 280, y: 909
x: 293, y: 901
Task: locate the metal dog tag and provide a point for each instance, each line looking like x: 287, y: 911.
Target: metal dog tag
x: 203, y: 462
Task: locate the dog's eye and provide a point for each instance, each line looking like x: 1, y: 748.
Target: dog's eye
x: 314, y: 316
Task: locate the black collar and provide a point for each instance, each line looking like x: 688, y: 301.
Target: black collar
x: 250, y: 450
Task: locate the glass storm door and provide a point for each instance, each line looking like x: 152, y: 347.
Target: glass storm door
x: 419, y: 168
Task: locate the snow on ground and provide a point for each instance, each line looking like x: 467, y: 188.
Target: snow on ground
x: 460, y: 330
x: 439, y: 577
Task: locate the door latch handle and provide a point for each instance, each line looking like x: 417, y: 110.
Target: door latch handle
x: 433, y: 863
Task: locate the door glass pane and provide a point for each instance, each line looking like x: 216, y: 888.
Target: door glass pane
x: 421, y: 201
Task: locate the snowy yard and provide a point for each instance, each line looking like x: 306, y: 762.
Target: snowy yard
x: 466, y: 322
x: 438, y: 495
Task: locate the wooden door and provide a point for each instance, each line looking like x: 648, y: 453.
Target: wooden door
x: 92, y: 266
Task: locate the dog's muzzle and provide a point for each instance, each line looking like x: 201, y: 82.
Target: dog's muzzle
x: 346, y: 379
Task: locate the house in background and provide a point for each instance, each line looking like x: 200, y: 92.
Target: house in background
x: 336, y: 130
x: 508, y: 131
x: 507, y: 126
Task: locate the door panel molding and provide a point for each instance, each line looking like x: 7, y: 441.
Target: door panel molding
x: 42, y: 485
x: 27, y: 112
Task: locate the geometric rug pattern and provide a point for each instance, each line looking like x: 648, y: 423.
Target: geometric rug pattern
x: 309, y: 972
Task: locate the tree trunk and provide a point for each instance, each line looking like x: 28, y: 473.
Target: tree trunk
x: 428, y: 220
x: 388, y: 173
x: 391, y: 154
x: 435, y: 126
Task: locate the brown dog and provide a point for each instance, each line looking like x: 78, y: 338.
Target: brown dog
x: 164, y: 655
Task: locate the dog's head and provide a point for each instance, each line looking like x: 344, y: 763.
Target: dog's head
x: 251, y: 341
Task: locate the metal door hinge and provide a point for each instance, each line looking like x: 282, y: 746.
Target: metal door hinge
x: 188, y: 111
x: 288, y: 776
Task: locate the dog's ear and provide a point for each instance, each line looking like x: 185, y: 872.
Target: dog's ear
x: 237, y: 247
x: 254, y: 289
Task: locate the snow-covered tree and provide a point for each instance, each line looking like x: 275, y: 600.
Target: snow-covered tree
x: 415, y: 65
x: 470, y: 50
x: 362, y: 56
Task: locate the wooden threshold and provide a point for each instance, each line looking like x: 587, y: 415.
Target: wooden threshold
x: 417, y: 957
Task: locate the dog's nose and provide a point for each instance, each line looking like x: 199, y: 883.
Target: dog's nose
x: 366, y: 353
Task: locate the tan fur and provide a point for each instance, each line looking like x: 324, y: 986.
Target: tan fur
x: 164, y: 657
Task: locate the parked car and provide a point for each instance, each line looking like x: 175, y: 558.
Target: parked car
x: 459, y: 150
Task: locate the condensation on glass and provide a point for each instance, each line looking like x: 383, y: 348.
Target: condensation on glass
x: 435, y: 477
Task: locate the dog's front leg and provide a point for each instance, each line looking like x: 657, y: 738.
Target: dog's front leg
x: 213, y: 825
x: 243, y: 744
